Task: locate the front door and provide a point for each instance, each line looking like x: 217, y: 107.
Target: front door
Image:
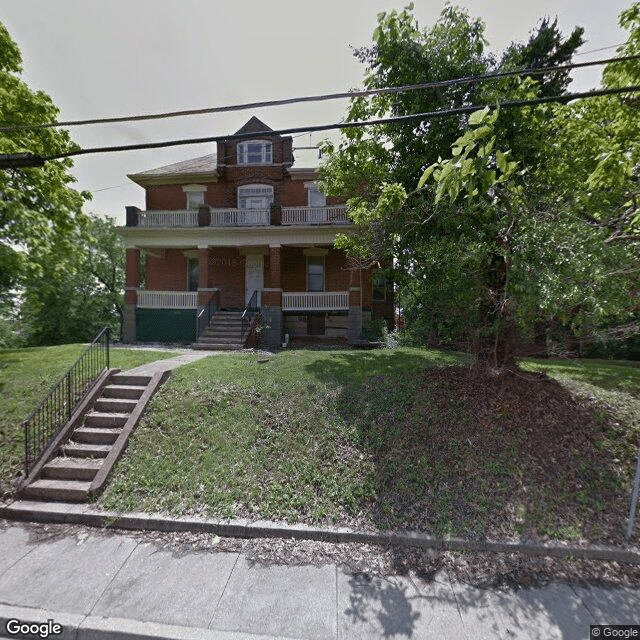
x: 253, y: 276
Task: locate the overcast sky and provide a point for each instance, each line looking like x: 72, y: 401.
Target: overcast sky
x: 99, y: 58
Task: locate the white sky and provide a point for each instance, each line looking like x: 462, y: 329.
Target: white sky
x: 121, y: 57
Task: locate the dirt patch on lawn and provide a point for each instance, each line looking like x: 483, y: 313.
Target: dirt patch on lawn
x: 517, y: 454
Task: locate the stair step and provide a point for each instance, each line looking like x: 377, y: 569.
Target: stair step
x: 115, y: 405
x: 96, y: 435
x: 105, y: 420
x: 219, y: 339
x: 123, y: 391
x: 69, y: 490
x: 131, y: 380
x: 81, y: 450
x: 72, y: 468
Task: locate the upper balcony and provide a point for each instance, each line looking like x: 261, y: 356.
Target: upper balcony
x: 210, y: 217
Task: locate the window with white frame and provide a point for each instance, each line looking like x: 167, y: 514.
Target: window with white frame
x: 255, y: 196
x: 315, y: 197
x: 255, y: 152
x: 195, y: 199
x: 195, y: 195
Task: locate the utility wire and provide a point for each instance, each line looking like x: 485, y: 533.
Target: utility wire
x: 351, y: 125
x: 322, y: 97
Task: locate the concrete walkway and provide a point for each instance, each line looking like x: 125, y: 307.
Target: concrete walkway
x: 159, y: 366
x: 110, y: 585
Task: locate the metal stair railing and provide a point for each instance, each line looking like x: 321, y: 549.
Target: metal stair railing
x: 46, y: 421
x: 205, y: 315
x: 252, y: 306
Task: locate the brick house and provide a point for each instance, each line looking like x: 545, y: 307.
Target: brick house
x: 227, y: 235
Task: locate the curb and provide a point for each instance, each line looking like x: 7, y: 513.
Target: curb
x: 68, y: 513
x: 77, y: 626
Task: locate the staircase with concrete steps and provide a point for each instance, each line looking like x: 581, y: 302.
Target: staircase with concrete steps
x: 78, y: 467
x: 224, y: 332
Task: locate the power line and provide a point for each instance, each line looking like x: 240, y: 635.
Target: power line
x: 351, y: 125
x: 612, y: 46
x: 323, y: 97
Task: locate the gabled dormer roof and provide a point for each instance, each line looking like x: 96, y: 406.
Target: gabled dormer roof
x: 253, y: 125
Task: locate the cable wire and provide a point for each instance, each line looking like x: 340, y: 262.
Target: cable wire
x: 351, y: 125
x: 322, y: 97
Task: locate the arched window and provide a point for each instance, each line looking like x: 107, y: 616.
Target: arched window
x: 255, y: 152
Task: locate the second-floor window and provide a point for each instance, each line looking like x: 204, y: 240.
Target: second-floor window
x: 255, y: 196
x: 195, y: 199
x: 315, y: 197
x: 255, y: 152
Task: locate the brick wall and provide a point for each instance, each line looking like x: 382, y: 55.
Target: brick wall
x: 167, y: 272
x: 226, y: 272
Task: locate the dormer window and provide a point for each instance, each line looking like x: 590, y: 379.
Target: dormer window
x: 255, y: 152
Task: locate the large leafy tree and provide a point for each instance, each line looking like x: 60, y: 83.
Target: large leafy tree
x: 38, y: 207
x: 498, y: 239
x: 74, y: 304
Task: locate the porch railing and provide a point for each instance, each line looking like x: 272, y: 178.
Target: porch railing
x: 52, y: 413
x: 184, y: 218
x: 315, y: 215
x: 167, y: 299
x: 315, y: 301
x: 240, y: 217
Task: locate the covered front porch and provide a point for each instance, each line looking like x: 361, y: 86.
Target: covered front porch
x: 299, y: 290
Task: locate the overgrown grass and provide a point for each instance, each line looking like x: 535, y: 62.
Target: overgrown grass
x: 26, y: 376
x: 369, y: 438
x: 231, y: 434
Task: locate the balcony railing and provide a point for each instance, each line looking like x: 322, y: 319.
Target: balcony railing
x: 167, y: 299
x: 185, y: 218
x: 315, y: 215
x: 336, y: 214
x: 240, y: 217
x: 315, y: 301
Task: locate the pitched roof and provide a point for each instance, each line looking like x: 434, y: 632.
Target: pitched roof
x: 187, y: 168
x: 253, y: 125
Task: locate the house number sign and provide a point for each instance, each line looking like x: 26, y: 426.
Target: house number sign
x: 219, y: 261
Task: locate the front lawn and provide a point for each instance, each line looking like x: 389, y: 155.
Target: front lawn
x: 389, y: 438
x: 26, y: 376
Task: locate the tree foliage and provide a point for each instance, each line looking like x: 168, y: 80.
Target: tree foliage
x: 507, y: 222
x: 38, y: 207
x: 72, y: 304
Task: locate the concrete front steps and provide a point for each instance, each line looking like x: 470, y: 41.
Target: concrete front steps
x: 77, y: 464
x: 224, y: 332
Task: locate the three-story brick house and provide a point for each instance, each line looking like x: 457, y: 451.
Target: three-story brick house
x: 240, y: 231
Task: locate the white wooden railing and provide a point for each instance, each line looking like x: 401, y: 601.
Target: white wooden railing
x: 315, y: 301
x: 183, y: 218
x: 315, y: 215
x: 240, y: 217
x: 167, y: 299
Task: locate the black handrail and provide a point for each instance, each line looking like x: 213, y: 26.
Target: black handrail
x: 252, y: 306
x: 56, y: 409
x: 205, y: 315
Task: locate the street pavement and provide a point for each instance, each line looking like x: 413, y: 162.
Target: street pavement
x: 114, y: 586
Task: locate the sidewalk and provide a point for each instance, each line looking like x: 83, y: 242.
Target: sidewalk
x: 109, y: 585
